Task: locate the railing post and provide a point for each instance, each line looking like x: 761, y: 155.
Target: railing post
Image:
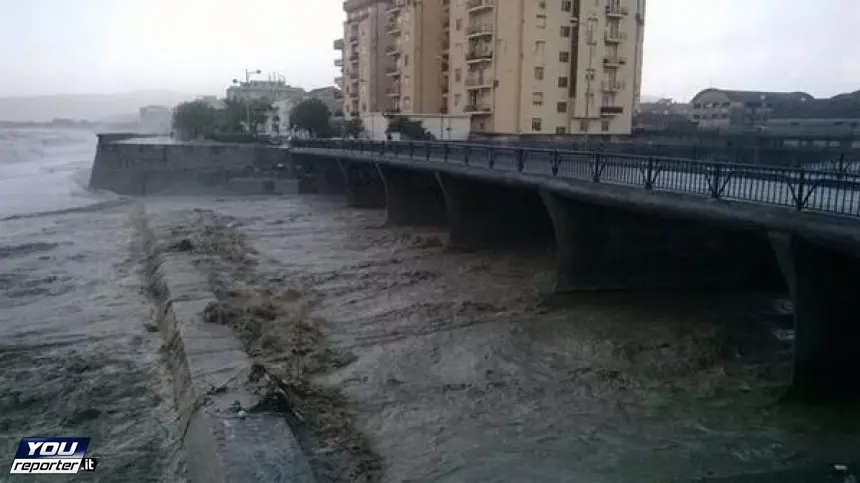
x: 555, y: 162
x: 649, y: 175
x: 717, y: 182
x: 491, y: 158
x: 467, y: 152
x: 521, y: 160
x: 445, y: 149
x: 411, y: 149
x: 801, y: 199
x: 598, y: 164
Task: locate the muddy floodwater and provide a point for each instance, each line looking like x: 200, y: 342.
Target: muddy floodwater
x: 456, y: 367
x: 77, y: 354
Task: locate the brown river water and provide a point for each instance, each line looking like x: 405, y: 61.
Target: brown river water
x: 460, y: 368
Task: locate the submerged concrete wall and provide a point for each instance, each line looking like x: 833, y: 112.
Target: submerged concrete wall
x: 147, y: 167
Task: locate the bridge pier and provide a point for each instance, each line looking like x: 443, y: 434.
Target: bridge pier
x: 603, y: 248
x: 484, y: 215
x: 823, y: 287
x: 317, y: 174
x: 362, y: 184
x: 413, y: 197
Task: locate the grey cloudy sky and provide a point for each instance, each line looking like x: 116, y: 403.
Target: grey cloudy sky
x: 198, y: 46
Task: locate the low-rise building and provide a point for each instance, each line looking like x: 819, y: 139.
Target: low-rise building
x: 728, y: 110
x: 155, y: 119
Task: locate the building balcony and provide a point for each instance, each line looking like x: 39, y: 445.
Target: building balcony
x: 338, y: 81
x: 353, y: 95
x: 608, y: 111
x: 353, y: 76
x: 475, y: 6
x: 338, y: 62
x: 614, y: 61
x: 481, y: 108
x: 479, y: 55
x: 478, y: 30
x: 609, y: 86
x: 616, y: 11
x: 392, y: 50
x: 392, y: 71
x: 392, y: 92
x: 338, y: 44
x: 338, y: 95
x: 353, y: 56
x: 614, y: 37
x: 392, y: 28
x: 394, y: 7
x: 353, y: 39
x: 479, y: 82
x: 446, y: 24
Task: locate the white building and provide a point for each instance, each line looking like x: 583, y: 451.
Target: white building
x: 273, y: 89
x: 155, y: 119
x: 279, y: 122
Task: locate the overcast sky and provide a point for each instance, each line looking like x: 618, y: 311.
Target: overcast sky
x: 198, y: 46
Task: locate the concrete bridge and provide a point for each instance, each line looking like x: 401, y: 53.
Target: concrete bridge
x: 633, y: 223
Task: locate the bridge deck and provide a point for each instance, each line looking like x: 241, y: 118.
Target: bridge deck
x: 816, y: 203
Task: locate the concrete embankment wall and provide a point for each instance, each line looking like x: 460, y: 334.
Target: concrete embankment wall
x: 125, y: 165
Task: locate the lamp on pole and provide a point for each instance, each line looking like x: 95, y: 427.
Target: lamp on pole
x: 248, y: 74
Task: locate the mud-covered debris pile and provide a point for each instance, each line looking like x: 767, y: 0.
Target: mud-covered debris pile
x: 277, y: 328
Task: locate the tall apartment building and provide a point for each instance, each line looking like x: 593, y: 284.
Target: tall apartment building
x: 546, y: 66
x: 366, y: 82
x: 417, y: 29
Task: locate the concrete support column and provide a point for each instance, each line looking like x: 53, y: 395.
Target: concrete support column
x: 413, y: 197
x: 484, y: 215
x: 362, y: 184
x: 824, y: 287
x: 603, y: 248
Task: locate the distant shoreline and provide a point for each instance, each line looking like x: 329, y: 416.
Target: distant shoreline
x: 63, y: 124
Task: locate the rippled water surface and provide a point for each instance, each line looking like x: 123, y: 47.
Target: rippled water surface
x: 76, y: 356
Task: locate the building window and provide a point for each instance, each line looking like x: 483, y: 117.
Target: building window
x: 540, y: 45
x: 562, y: 81
x: 458, y: 24
x: 541, y: 21
x: 604, y: 126
x: 565, y: 31
x: 561, y: 107
x: 538, y: 73
x: 406, y: 60
x: 458, y: 74
x: 583, y: 126
x: 457, y: 99
x: 564, y: 56
x: 566, y: 5
x: 560, y: 130
x: 536, y: 124
x: 537, y: 98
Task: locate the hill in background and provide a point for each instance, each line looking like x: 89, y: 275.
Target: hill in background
x: 114, y: 108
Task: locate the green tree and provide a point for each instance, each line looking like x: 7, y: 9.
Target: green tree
x: 195, y: 120
x: 353, y: 128
x: 245, y: 116
x: 313, y: 116
x: 408, y: 128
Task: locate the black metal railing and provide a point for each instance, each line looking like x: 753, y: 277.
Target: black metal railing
x: 797, y: 188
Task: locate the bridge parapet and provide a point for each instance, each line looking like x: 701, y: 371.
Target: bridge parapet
x: 800, y: 189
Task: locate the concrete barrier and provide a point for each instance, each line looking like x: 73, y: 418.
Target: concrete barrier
x: 210, y: 372
x: 129, y: 164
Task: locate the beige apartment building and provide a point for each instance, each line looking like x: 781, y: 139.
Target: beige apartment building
x: 547, y: 66
x: 514, y: 66
x: 365, y: 80
x: 417, y: 28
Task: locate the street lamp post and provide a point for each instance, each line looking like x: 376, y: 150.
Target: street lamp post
x: 248, y: 74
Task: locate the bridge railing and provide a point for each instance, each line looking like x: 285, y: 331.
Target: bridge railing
x: 797, y: 188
